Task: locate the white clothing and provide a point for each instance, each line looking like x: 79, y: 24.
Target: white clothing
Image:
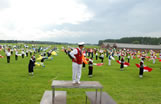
x: 8, y: 53
x: 102, y: 55
x: 119, y: 54
x: 74, y: 52
x: 23, y: 52
x: 109, y: 62
x: 76, y: 68
x: 154, y: 59
x: 16, y: 53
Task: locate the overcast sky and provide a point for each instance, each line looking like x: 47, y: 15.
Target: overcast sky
x: 78, y: 20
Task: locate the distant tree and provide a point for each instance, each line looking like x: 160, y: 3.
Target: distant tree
x: 136, y: 42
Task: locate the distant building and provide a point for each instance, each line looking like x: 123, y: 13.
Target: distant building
x: 136, y: 47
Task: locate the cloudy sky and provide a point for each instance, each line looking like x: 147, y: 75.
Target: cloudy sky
x: 78, y: 20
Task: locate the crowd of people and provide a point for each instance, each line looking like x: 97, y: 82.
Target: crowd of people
x: 123, y: 56
x: 24, y: 51
x: 81, y: 57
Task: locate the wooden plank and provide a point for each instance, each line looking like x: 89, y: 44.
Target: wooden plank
x: 106, y: 99
x: 69, y: 84
x: 60, y: 97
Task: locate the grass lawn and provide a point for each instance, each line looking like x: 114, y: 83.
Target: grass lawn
x: 125, y: 87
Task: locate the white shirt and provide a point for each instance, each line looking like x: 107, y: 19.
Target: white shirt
x: 102, y: 55
x: 23, y: 52
x: 8, y: 53
x: 74, y: 52
x: 16, y: 53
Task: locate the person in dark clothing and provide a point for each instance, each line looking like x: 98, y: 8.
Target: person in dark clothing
x: 26, y: 53
x: 90, y: 67
x: 96, y: 55
x: 23, y: 53
x: 128, y: 58
x: 49, y: 53
x: 122, y: 64
x: 102, y: 57
x: 42, y: 61
x: 8, y: 54
x: 31, y: 66
x: 84, y: 65
x: 11, y: 51
x: 30, y: 52
x: 16, y: 55
x: 119, y: 55
x: 141, y: 68
x: 43, y: 58
x: 106, y: 53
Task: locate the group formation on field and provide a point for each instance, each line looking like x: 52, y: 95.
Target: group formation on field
x: 121, y: 56
x: 39, y: 54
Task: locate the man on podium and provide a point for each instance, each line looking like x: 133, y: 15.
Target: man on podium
x: 76, y: 55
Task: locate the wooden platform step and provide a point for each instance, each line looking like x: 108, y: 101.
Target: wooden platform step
x: 106, y: 99
x: 60, y: 97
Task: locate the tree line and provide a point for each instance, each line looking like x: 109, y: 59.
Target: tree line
x: 31, y: 42
x: 134, y: 40
x: 40, y: 42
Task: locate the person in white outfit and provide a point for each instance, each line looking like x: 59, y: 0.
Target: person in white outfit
x: 154, y: 58
x: 76, y: 55
x: 8, y: 54
x: 109, y: 60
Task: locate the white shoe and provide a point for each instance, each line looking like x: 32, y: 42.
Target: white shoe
x: 90, y: 76
x: 140, y: 76
x: 121, y: 69
x: 74, y: 82
x: 78, y: 82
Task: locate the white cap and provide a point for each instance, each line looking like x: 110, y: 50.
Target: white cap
x: 81, y: 43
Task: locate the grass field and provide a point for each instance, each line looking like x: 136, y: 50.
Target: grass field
x: 125, y: 87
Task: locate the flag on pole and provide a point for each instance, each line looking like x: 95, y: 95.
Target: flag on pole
x: 146, y: 68
x: 54, y: 53
x: 98, y: 64
x: 84, y: 59
x: 126, y: 64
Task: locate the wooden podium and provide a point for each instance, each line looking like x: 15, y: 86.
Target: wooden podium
x: 84, y: 84
x: 59, y: 97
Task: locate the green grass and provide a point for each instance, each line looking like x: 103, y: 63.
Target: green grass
x: 125, y: 87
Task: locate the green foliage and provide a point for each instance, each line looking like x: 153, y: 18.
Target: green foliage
x: 134, y: 40
x: 125, y: 87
